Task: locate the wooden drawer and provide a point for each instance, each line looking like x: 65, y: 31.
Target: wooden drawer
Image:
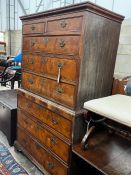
x: 55, y: 144
x: 59, y: 92
x: 57, y: 45
x: 42, y: 156
x: 33, y: 28
x: 64, y: 25
x: 55, y: 121
x: 57, y: 68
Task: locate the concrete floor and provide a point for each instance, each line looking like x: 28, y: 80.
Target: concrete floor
x: 19, y: 157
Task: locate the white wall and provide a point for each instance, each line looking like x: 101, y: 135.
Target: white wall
x: 123, y: 61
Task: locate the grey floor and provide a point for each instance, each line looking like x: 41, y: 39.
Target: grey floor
x: 19, y: 157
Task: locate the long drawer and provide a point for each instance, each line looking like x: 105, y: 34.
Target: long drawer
x: 52, y: 44
x: 42, y: 156
x: 40, y: 132
x: 52, y: 119
x: 58, y: 92
x: 57, y: 68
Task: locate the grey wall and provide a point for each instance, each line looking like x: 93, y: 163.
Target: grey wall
x: 16, y: 38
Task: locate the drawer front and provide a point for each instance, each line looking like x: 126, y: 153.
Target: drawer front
x: 60, y: 92
x: 46, y: 160
x: 58, y: 68
x: 33, y: 28
x: 73, y: 24
x: 50, y: 118
x: 58, y: 45
x: 44, y: 136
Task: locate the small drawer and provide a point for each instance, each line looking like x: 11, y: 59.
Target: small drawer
x: 58, y: 68
x: 58, y: 92
x: 58, y: 45
x: 43, y: 157
x: 72, y: 24
x: 55, y: 144
x: 33, y: 28
x: 55, y: 121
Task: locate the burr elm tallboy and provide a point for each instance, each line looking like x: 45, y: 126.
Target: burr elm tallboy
x: 68, y: 58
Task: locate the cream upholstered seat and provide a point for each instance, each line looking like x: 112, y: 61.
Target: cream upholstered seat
x: 115, y: 107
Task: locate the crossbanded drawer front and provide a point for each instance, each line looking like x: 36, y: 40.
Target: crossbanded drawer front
x: 45, y: 159
x: 64, y: 25
x: 34, y: 28
x: 56, y: 145
x: 58, y: 68
x: 55, y: 121
x: 57, y: 45
x: 59, y: 92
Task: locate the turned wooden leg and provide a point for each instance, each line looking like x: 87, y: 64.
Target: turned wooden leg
x: 16, y: 147
x: 89, y: 130
x: 12, y: 84
x: 19, y: 83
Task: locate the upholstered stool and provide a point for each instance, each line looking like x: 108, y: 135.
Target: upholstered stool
x: 116, y: 108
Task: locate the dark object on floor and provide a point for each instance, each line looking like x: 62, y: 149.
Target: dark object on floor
x: 8, y: 114
x: 12, y: 74
x: 8, y: 165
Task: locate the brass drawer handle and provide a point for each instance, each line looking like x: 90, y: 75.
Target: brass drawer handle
x: 55, y: 121
x: 63, y: 24
x: 26, y: 121
x: 62, y: 43
x: 39, y: 107
x: 44, y: 60
x: 42, y: 82
x: 33, y: 42
x: 38, y: 126
x: 59, y: 65
x: 53, y: 141
x: 32, y: 27
x: 37, y: 146
x: 50, y: 165
x: 45, y: 40
x: 59, y: 90
x: 24, y: 142
x: 29, y: 105
x: 30, y: 81
x: 31, y: 61
x: 3, y: 107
